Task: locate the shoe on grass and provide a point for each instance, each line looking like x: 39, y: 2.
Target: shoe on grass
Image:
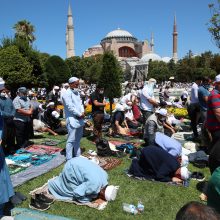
x: 38, y: 205
x: 197, y: 176
x: 43, y: 199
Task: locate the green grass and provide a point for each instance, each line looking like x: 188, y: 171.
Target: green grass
x: 161, y: 201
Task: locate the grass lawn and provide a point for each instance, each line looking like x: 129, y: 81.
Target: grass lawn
x: 161, y: 201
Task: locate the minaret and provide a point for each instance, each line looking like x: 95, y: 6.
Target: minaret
x: 70, y: 50
x: 175, y: 57
x: 152, y: 42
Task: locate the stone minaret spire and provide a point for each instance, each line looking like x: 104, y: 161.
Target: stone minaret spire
x: 70, y: 49
x: 152, y: 42
x: 175, y: 57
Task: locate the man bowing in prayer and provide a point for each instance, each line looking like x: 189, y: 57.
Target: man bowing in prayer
x: 74, y: 113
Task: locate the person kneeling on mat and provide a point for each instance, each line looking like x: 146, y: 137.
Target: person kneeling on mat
x: 82, y: 180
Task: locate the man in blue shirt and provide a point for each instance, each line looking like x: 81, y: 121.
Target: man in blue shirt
x: 74, y: 113
x: 22, y: 117
x: 7, y: 111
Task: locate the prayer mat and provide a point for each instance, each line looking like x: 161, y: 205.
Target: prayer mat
x: 152, y: 180
x: 107, y: 163
x: 42, y: 149
x: 96, y: 204
x: 35, y: 171
x: 29, y: 214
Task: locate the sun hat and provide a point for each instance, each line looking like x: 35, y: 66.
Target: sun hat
x: 162, y: 111
x: 111, y: 192
x: 73, y: 79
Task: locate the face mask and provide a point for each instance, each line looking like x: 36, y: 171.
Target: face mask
x: 3, y: 94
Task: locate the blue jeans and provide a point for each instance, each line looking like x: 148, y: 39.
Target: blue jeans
x: 73, y: 142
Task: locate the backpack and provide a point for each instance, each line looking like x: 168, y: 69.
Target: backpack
x: 128, y: 148
x: 103, y: 148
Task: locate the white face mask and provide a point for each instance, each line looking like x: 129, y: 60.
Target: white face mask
x: 3, y: 94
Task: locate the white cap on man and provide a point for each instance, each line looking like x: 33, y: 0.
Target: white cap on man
x: 184, y: 172
x: 111, y: 192
x: 2, y: 84
x: 162, y: 111
x: 73, y: 79
x: 217, y: 78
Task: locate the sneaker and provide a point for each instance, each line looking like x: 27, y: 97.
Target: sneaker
x: 197, y: 176
x: 43, y: 199
x: 37, y: 205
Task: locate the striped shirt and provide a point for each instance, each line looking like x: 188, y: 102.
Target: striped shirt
x: 212, y: 122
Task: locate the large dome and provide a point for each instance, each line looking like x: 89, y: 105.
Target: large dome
x: 150, y: 56
x: 166, y: 59
x: 119, y: 33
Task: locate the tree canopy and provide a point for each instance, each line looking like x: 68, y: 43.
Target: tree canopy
x: 24, y: 30
x: 214, y: 22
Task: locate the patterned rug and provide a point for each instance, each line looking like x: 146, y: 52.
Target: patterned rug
x: 96, y: 204
x: 107, y: 163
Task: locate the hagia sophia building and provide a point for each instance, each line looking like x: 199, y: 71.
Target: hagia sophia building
x: 133, y: 55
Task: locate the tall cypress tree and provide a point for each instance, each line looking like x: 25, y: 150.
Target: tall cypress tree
x: 111, y: 77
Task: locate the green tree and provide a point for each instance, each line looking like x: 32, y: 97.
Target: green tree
x: 14, y: 68
x: 24, y: 30
x: 74, y: 64
x: 57, y: 71
x: 214, y: 22
x: 111, y: 77
x: 158, y: 70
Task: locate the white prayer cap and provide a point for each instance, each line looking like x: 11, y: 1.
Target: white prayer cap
x: 2, y: 84
x: 162, y: 111
x: 66, y: 85
x: 184, y: 173
x: 184, y: 160
x: 73, y: 79
x: 111, y: 192
x: 50, y: 104
x: 56, y: 87
x: 55, y: 114
x: 152, y: 80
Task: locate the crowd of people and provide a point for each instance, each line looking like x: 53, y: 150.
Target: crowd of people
x: 136, y: 112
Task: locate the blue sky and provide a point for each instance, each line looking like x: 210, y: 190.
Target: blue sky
x: 93, y: 19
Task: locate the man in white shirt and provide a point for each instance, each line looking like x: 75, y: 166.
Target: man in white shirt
x: 194, y: 108
x: 147, y: 101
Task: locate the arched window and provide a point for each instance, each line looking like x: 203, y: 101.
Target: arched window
x: 127, y: 52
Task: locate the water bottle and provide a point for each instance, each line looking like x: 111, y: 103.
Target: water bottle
x: 140, y: 206
x: 130, y: 208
